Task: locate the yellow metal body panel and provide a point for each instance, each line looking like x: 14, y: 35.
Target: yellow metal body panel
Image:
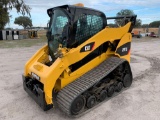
x: 58, y: 75
x: 125, y: 39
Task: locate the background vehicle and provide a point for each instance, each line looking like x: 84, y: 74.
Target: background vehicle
x: 136, y: 33
x: 84, y: 62
x: 152, y: 34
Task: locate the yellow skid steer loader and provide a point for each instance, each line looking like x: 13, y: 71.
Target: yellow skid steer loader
x: 84, y: 62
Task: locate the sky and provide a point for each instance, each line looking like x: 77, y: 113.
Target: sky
x: 146, y: 10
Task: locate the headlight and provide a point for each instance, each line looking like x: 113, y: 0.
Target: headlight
x: 34, y: 76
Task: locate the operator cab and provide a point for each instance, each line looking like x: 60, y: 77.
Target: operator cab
x: 71, y: 25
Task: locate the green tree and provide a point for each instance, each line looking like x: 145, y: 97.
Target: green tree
x: 23, y: 21
x: 7, y: 5
x: 127, y: 12
x: 154, y: 24
x: 138, y: 23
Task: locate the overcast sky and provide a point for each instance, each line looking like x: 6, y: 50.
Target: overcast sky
x: 147, y: 10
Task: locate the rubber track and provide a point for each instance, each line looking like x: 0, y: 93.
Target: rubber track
x: 66, y: 96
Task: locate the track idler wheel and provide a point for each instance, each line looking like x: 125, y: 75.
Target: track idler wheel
x: 77, y: 105
x: 91, y: 101
x: 103, y: 95
x: 110, y: 91
x: 119, y: 86
x: 127, y: 81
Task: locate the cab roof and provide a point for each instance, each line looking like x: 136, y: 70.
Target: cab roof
x: 72, y: 8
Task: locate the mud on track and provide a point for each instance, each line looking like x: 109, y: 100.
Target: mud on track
x: 140, y: 101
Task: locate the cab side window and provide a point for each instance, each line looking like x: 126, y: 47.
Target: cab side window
x: 86, y: 27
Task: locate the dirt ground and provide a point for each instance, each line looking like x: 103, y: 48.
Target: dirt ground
x: 140, y: 102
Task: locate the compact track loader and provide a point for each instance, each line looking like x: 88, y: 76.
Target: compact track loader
x: 84, y: 62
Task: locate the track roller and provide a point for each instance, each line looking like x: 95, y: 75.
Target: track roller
x: 91, y: 101
x: 119, y: 86
x: 103, y: 95
x: 78, y: 105
x: 110, y: 91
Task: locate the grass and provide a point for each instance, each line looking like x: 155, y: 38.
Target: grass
x: 43, y: 40
x: 23, y: 43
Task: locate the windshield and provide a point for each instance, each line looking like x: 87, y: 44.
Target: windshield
x: 58, y: 30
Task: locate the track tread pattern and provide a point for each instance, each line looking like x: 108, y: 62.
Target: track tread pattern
x: 66, y: 96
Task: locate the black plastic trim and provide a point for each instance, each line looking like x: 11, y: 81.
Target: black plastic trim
x: 40, y: 99
x: 124, y: 49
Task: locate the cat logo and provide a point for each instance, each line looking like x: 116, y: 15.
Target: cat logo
x: 88, y: 47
